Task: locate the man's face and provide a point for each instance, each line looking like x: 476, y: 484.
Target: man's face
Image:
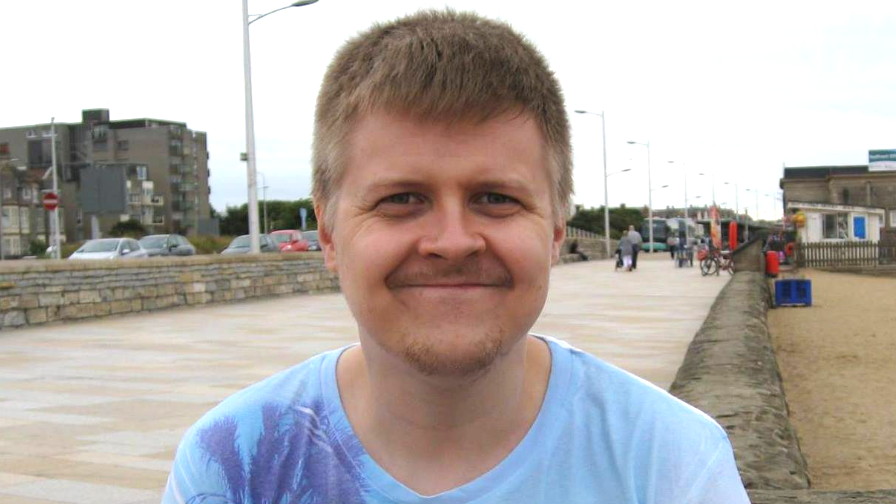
x: 444, y: 237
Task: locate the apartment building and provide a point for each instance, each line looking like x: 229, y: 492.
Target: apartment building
x: 165, y: 165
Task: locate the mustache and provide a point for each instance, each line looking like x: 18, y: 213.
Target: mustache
x: 467, y: 273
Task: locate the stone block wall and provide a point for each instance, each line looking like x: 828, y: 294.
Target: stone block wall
x: 38, y: 292
x: 730, y: 372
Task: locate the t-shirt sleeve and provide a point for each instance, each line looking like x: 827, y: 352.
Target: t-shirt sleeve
x: 720, y: 481
x: 191, y: 475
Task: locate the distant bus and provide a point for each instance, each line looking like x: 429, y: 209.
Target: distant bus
x: 661, y: 233
x: 664, y: 228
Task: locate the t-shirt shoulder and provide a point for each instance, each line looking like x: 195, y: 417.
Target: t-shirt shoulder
x: 620, y: 396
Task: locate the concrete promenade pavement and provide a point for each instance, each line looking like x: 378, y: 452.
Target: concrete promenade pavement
x: 91, y: 412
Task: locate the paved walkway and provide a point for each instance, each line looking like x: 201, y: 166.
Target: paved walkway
x: 91, y: 412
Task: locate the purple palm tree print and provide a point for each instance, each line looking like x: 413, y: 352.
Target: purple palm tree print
x: 295, y: 460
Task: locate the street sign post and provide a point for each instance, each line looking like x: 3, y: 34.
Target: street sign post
x: 51, y: 201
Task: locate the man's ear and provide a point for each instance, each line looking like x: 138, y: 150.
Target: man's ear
x: 325, y: 237
x: 557, y: 242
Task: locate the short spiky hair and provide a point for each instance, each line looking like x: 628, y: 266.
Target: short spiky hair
x: 441, y: 66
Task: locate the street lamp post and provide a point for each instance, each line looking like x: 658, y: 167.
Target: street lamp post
x: 250, y: 123
x: 649, y: 193
x: 603, y: 129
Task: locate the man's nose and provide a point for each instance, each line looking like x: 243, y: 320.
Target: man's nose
x: 453, y: 234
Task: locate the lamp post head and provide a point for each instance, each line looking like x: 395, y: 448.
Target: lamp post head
x: 625, y: 170
x: 631, y: 142
x: 581, y: 111
x: 300, y: 3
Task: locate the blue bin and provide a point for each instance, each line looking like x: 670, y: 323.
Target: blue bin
x: 793, y: 292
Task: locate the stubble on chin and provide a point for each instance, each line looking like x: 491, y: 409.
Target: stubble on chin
x: 429, y: 360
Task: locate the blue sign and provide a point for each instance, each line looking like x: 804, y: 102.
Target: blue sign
x: 882, y: 160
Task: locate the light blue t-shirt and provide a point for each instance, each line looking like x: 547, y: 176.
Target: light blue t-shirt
x: 602, y: 436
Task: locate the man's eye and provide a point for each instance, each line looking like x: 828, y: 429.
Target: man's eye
x: 497, y: 199
x: 401, y: 199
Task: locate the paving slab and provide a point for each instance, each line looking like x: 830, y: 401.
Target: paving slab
x: 92, y: 411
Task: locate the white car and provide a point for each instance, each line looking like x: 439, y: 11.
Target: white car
x: 110, y: 248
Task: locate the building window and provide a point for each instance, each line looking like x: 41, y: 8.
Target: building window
x: 7, y: 192
x: 835, y: 226
x: 134, y: 199
x: 26, y: 193
x: 123, y: 145
x: 141, y: 172
x: 4, y: 149
x: 99, y: 133
x: 893, y: 218
x: 100, y: 146
x: 34, y: 194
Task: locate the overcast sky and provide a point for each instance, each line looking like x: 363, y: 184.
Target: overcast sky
x: 734, y: 91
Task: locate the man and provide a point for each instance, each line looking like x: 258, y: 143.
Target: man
x: 442, y: 170
x: 637, y: 240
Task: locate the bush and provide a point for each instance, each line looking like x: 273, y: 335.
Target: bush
x: 129, y: 228
x: 207, y: 244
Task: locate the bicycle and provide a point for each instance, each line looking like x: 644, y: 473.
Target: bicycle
x: 715, y: 262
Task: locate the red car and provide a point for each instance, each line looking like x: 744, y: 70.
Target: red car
x: 289, y: 240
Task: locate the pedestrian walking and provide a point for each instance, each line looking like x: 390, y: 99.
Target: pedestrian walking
x: 625, y: 250
x: 636, y: 239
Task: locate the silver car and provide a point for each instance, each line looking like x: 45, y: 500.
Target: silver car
x: 241, y: 245
x: 110, y: 248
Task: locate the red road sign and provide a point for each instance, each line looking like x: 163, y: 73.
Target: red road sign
x: 51, y: 201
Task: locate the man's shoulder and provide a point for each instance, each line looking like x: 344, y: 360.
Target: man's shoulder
x: 619, y: 397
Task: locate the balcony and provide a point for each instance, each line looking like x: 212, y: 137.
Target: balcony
x: 158, y: 200
x: 158, y: 220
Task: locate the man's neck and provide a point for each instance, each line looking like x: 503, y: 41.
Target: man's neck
x: 433, y: 434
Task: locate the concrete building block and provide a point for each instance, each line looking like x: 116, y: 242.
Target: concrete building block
x: 89, y: 296
x: 9, y: 303
x: 102, y: 309
x: 14, y: 318
x: 50, y: 299
x: 36, y: 315
x: 28, y: 301
x: 121, y: 306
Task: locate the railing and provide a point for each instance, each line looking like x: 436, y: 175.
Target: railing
x: 572, y: 232
x: 840, y: 254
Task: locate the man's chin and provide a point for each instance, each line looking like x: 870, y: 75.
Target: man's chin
x: 452, y: 360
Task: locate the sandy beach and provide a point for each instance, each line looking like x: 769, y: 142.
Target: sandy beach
x: 838, y: 362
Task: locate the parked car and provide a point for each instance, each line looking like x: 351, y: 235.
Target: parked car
x: 110, y: 248
x: 311, y: 238
x: 167, y: 245
x: 241, y: 245
x: 290, y: 240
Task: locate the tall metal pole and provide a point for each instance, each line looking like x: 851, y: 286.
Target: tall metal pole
x: 603, y: 129
x: 250, y: 139
x: 57, y: 251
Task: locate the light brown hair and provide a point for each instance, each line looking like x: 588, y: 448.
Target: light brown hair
x: 441, y: 66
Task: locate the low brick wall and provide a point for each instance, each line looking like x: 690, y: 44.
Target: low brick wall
x: 38, y: 292
x: 593, y: 248
x: 730, y: 372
